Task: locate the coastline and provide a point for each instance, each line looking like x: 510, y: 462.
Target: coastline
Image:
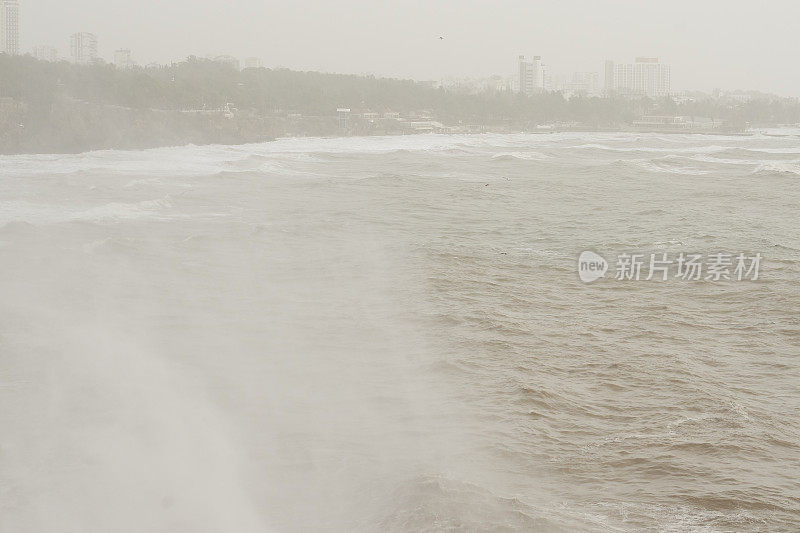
x: 64, y: 108
x: 223, y: 138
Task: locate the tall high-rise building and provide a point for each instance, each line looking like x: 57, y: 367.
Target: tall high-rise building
x: 83, y: 48
x: 344, y: 117
x: 645, y: 77
x: 532, y: 75
x: 9, y: 26
x: 122, y: 59
x: 45, y: 53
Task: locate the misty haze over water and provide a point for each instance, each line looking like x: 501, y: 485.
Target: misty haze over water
x: 389, y: 334
x: 399, y: 266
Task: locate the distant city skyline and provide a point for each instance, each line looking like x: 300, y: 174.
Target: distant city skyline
x: 702, y: 41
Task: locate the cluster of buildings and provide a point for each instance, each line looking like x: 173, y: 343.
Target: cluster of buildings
x: 82, y: 45
x: 644, y: 77
x: 535, y: 77
x: 492, y: 84
x: 250, y: 62
x: 83, y: 51
x: 579, y: 84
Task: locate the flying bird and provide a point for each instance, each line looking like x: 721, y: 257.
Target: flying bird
x: 441, y: 38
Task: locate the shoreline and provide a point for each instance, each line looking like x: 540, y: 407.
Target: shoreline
x: 751, y: 133
x: 61, y: 108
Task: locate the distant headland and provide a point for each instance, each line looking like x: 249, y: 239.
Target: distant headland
x: 60, y: 107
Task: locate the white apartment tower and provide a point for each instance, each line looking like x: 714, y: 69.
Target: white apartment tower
x: 83, y: 48
x: 122, y: 59
x: 532, y: 75
x: 645, y: 77
x: 9, y: 27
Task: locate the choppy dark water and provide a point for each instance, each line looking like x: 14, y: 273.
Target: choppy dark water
x: 389, y: 334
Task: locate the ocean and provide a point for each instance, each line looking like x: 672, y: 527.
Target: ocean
x: 391, y: 334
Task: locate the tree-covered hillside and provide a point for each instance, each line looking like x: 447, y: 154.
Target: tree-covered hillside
x: 65, y: 107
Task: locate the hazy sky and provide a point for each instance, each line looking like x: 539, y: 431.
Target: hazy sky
x: 709, y: 43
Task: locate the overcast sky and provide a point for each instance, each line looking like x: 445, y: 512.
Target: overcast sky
x: 709, y: 43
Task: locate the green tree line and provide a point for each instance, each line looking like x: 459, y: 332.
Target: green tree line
x: 55, y: 95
